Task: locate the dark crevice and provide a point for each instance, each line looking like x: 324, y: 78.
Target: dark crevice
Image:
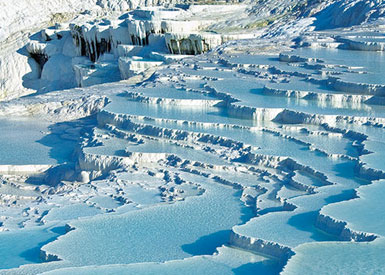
x: 40, y: 59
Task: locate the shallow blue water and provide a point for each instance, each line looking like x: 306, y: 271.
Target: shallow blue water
x: 23, y: 246
x: 28, y: 141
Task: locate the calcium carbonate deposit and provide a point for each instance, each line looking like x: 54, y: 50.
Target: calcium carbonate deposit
x: 192, y: 137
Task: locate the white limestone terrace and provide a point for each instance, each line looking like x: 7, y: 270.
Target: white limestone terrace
x: 284, y: 172
x: 260, y: 156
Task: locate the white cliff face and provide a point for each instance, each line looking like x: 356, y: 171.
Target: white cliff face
x: 13, y: 68
x: 185, y: 43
